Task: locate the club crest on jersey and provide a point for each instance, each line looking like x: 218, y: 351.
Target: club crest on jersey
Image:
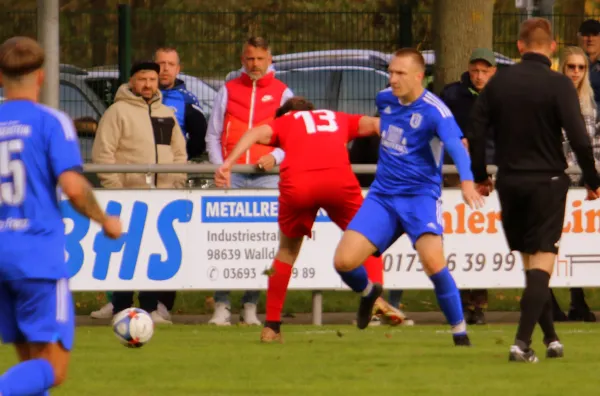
x: 415, y: 120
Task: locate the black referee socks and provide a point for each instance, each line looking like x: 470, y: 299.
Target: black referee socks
x: 535, y: 296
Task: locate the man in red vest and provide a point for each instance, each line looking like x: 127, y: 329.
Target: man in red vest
x: 245, y: 102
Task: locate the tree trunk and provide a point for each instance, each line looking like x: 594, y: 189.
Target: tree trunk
x: 573, y: 13
x: 459, y: 26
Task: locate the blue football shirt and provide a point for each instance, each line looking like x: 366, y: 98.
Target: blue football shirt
x: 37, y: 144
x: 412, y: 144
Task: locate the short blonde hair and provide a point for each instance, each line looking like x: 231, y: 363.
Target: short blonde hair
x: 20, y: 56
x: 412, y: 53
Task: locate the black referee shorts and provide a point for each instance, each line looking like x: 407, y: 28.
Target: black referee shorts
x: 533, y: 211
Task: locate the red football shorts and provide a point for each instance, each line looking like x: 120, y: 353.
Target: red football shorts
x: 301, y: 197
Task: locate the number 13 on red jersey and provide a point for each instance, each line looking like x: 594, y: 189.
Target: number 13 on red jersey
x: 325, y: 121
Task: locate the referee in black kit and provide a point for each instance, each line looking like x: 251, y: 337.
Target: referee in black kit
x: 528, y: 105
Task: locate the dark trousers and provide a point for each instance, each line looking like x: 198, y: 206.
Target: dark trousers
x: 148, y: 300
x: 474, y: 298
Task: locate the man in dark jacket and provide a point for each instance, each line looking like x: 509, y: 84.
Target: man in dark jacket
x: 187, y: 109
x: 460, y: 97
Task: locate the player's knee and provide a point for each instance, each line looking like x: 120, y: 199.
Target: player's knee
x: 431, y: 253
x: 343, y: 260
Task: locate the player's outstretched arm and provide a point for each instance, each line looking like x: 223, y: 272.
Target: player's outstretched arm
x: 368, y: 126
x: 80, y: 193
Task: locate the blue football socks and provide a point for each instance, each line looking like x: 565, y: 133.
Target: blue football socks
x: 32, y: 377
x: 356, y: 279
x: 449, y: 301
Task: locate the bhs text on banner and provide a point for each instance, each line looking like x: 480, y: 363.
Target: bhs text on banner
x: 209, y: 240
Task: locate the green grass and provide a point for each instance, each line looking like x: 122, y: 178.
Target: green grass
x: 333, y: 360
x: 300, y: 301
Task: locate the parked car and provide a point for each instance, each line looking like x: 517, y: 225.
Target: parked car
x: 338, y: 80
x: 343, y: 80
x: 80, y: 102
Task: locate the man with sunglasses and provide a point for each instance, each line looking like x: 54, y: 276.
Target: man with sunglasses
x: 589, y: 36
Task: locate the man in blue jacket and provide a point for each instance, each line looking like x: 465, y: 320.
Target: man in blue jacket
x: 187, y: 109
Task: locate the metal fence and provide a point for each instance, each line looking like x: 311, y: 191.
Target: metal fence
x: 209, y: 44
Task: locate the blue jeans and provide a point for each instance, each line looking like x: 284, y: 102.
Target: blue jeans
x: 248, y: 180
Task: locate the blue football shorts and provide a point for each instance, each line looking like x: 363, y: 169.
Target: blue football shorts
x: 382, y: 219
x: 37, y: 311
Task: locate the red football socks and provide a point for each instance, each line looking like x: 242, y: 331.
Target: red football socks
x: 277, y: 289
x: 374, y: 267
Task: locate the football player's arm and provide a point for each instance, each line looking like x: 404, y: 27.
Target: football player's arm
x: 66, y: 164
x: 80, y: 193
x: 368, y: 126
x: 451, y: 136
x: 262, y: 134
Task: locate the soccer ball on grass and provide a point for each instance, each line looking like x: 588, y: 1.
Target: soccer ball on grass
x: 133, y: 327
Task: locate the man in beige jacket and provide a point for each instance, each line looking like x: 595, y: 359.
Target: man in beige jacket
x: 139, y: 129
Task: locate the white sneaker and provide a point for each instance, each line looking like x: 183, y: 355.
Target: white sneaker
x: 163, y: 311
x: 158, y: 319
x: 106, y: 312
x: 248, y: 315
x: 221, y: 316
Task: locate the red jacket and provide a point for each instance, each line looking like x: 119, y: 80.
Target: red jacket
x: 250, y: 103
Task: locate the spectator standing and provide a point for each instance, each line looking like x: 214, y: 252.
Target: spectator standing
x: 139, y: 129
x: 575, y: 65
x: 460, y: 97
x: 185, y: 104
x: 242, y: 103
x: 589, y: 35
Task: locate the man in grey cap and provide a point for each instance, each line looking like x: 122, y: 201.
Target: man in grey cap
x: 460, y: 97
x: 589, y: 37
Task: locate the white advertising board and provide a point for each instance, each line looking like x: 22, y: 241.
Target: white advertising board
x: 210, y: 240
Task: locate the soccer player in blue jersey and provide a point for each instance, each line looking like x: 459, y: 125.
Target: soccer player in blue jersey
x: 416, y: 126
x: 39, y: 152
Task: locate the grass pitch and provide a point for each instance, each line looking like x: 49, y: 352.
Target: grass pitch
x: 329, y: 360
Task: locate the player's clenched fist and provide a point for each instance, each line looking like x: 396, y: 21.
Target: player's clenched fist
x: 112, y: 227
x: 223, y: 177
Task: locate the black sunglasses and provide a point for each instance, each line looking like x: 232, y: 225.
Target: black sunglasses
x: 571, y: 66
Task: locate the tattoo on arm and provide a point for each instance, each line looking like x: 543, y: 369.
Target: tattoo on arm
x: 87, y: 205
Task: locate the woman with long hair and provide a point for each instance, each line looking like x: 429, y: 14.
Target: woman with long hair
x: 575, y: 65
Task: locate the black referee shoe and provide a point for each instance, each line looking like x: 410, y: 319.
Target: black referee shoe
x: 365, y: 309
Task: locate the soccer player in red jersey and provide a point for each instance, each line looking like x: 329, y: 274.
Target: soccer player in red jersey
x: 315, y: 173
